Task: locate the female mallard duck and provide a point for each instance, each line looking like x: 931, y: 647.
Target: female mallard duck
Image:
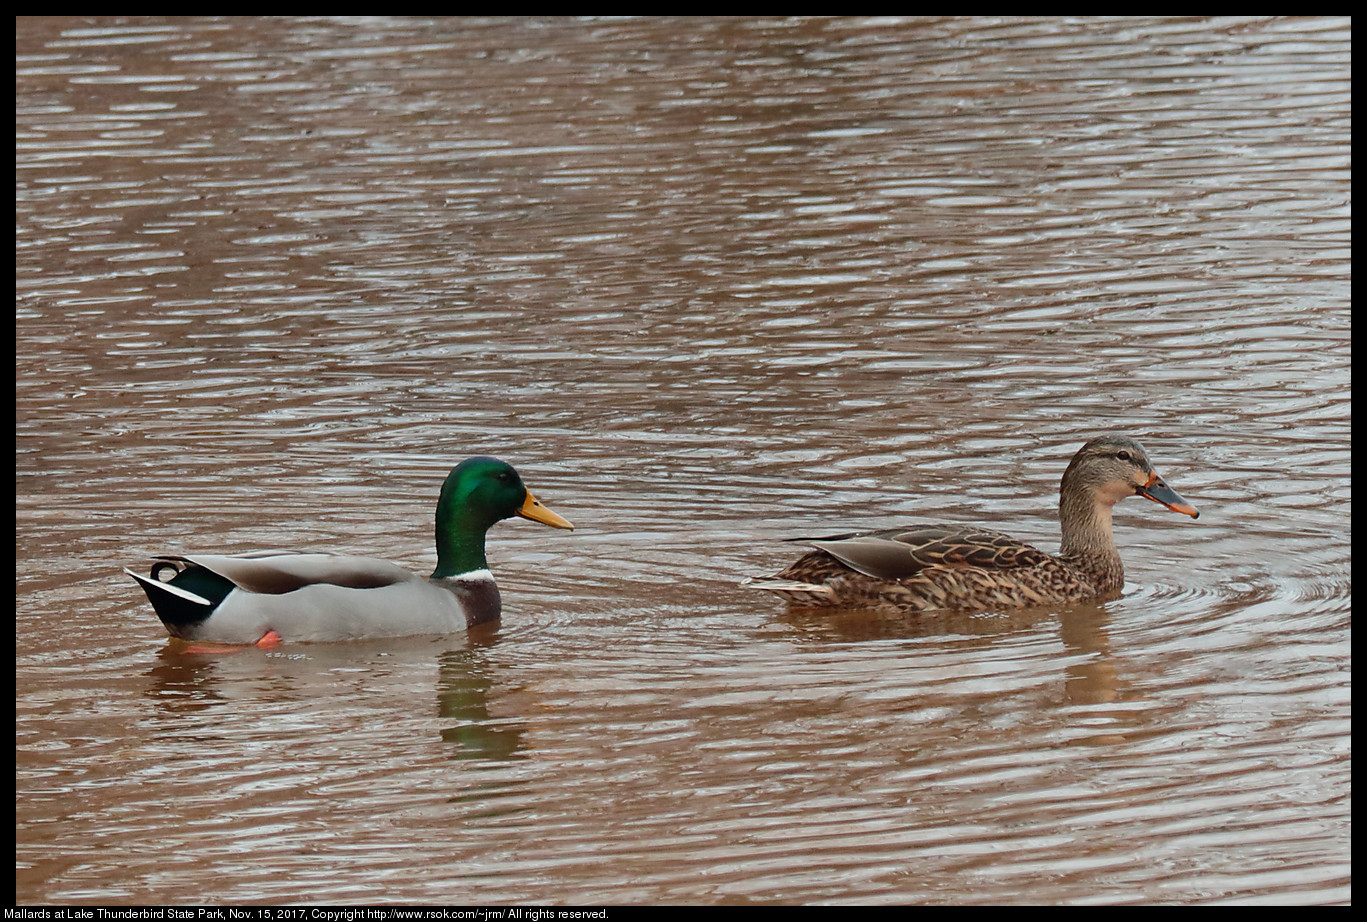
x: 268, y: 597
x: 952, y: 566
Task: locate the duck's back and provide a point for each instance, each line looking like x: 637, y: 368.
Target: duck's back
x: 932, y: 567
x: 312, y: 597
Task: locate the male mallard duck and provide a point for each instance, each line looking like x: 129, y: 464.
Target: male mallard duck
x: 954, y: 566
x: 268, y: 597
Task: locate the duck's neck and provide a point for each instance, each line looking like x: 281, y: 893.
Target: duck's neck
x: 460, y: 545
x: 1087, y: 538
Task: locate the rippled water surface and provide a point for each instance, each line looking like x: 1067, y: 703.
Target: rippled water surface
x: 708, y: 284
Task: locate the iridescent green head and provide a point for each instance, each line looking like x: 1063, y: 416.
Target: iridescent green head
x: 477, y: 493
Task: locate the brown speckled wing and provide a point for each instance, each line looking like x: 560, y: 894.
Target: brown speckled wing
x: 903, y: 553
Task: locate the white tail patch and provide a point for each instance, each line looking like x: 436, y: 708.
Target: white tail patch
x: 185, y: 594
x: 792, y: 590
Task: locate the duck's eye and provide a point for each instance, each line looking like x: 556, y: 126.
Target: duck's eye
x: 1123, y: 455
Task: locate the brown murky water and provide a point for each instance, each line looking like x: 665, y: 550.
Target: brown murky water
x: 708, y: 284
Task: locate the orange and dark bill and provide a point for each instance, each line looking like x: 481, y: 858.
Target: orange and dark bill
x: 532, y: 509
x: 1160, y: 492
